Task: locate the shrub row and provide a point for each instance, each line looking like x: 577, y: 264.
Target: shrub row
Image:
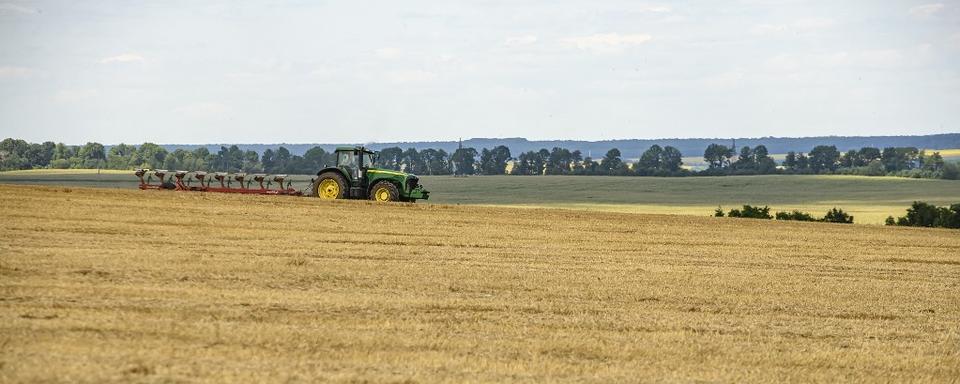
x: 750, y: 212
x: 921, y: 214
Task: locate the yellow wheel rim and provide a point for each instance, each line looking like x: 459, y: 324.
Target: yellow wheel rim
x: 382, y: 194
x: 329, y: 189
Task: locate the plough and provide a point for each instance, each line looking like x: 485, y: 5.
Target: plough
x: 355, y: 176
x: 224, y: 182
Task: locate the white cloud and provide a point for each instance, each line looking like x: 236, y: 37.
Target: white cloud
x: 802, y: 26
x: 323, y: 73
x: 204, y: 110
x: 954, y: 40
x: 123, y: 58
x: 656, y: 9
x: 814, y: 23
x: 925, y: 10
x: 410, y: 76
x: 15, y: 72
x: 873, y: 59
x: 514, y: 41
x: 14, y: 8
x: 75, y: 95
x: 388, y: 53
x: 724, y: 80
x: 606, y: 42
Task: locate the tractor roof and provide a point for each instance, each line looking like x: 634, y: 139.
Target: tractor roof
x: 351, y: 149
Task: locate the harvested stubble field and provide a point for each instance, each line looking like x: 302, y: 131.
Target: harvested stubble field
x: 122, y: 285
x: 869, y: 199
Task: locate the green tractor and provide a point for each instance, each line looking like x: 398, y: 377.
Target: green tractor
x: 355, y: 177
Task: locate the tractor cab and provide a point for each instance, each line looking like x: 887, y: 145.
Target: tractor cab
x: 354, y: 161
x: 356, y: 177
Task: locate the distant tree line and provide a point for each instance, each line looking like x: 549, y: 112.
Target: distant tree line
x: 655, y: 161
x: 18, y: 154
x: 892, y: 161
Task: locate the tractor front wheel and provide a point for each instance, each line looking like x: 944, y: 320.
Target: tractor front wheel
x: 330, y: 186
x: 384, y: 191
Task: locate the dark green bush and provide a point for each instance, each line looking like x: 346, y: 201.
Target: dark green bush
x: 795, y: 215
x: 921, y: 214
x: 837, y: 216
x: 751, y: 212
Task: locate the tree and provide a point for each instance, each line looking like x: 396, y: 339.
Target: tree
x: 202, y: 158
x: 231, y: 159
x: 281, y: 160
x: 921, y: 214
x: 802, y: 161
x: 611, y: 164
x: 463, y: 160
x: 541, y: 160
x: 717, y: 155
x: 650, y: 160
x: 899, y: 158
x: 317, y: 158
x: 558, y: 161
x: 824, y: 158
x: 950, y: 171
x: 746, y: 159
x: 267, y: 160
x: 13, y: 154
x: 590, y: 167
x: 122, y: 156
x: 751, y: 212
x: 251, y: 161
x: 837, y: 216
x: 868, y: 154
x: 93, y: 155
x: 170, y: 162
x: 671, y: 159
x: 151, y: 155
x: 532, y: 163
x: 850, y: 159
x: 764, y: 163
x: 790, y: 161
x: 39, y: 155
x: 435, y: 161
x: 63, y: 152
x: 494, y: 161
x: 934, y: 162
x: 412, y: 162
x: 391, y: 158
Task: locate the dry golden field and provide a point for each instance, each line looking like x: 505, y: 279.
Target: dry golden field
x: 101, y: 285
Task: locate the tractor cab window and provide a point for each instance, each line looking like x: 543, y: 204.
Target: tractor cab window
x: 368, y: 159
x: 347, y: 159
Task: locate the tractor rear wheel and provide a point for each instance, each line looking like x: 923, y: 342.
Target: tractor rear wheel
x: 384, y: 191
x: 330, y: 186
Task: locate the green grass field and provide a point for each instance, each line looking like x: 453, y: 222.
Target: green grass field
x: 869, y: 199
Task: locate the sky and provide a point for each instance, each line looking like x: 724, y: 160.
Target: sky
x: 384, y: 71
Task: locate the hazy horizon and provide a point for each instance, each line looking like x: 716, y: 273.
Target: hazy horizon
x: 376, y: 71
x: 482, y: 138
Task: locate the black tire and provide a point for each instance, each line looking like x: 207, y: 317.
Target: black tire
x: 384, y: 191
x: 330, y: 194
